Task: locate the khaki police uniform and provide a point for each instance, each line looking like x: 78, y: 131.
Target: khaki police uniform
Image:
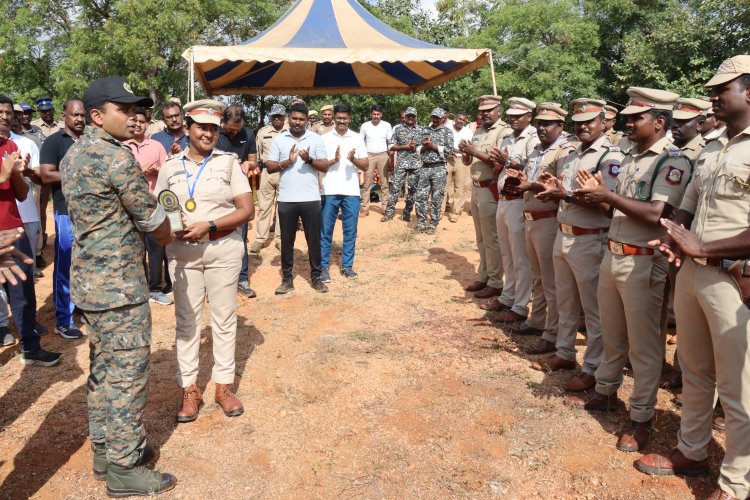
x: 48, y: 130
x: 610, y: 113
x: 633, y: 276
x: 541, y: 226
x: 713, y: 323
x: 511, y: 228
x: 269, y: 187
x: 209, y: 268
x: 483, y: 203
x: 580, y: 245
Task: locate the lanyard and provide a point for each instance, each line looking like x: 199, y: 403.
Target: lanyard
x: 191, y: 190
x: 538, y: 160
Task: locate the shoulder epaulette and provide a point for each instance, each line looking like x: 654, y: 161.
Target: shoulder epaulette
x: 613, y: 149
x: 673, y: 151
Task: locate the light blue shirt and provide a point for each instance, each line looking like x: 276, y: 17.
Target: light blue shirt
x: 298, y: 182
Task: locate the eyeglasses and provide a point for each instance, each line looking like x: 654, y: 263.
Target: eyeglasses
x: 172, y: 117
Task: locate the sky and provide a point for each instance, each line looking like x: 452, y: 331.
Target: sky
x: 428, y: 4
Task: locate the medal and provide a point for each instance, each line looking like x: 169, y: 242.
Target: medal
x: 190, y: 205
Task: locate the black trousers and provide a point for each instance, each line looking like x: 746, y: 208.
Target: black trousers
x: 289, y: 212
x: 157, y: 261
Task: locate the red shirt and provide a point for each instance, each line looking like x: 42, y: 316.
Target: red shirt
x: 9, y: 216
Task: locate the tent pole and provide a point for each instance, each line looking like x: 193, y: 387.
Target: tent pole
x: 492, y: 73
x: 191, y: 78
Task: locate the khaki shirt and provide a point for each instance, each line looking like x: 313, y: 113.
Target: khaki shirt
x: 519, y: 148
x: 153, y: 127
x: 48, y: 130
x: 614, y: 136
x: 484, y: 140
x: 601, y: 156
x: 265, y: 138
x: 719, y: 194
x: 693, y: 148
x: 638, y: 180
x: 320, y: 129
x: 220, y: 182
x: 541, y: 160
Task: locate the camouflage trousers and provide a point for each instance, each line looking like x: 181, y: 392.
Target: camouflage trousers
x: 119, y: 349
x: 396, y: 183
x: 431, y: 183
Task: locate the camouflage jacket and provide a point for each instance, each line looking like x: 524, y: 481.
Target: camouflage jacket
x: 106, y: 194
x: 443, y: 139
x: 408, y: 160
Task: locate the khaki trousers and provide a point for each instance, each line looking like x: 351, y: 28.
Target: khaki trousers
x: 267, y: 194
x: 483, y: 211
x: 713, y: 326
x: 456, y: 188
x: 200, y: 270
x: 377, y: 163
x: 631, y: 292
x: 540, y: 240
x: 577, y: 260
x: 511, y: 234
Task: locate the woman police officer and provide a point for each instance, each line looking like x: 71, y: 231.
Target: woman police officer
x: 214, y: 196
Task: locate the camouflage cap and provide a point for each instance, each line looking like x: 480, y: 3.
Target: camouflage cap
x: 585, y: 109
x: 205, y: 111
x: 551, y: 111
x: 520, y: 106
x: 411, y: 110
x: 439, y: 112
x: 489, y: 102
x: 687, y: 109
x: 730, y: 69
x: 277, y: 109
x: 644, y: 99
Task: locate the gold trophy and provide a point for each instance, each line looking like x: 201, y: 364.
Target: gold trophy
x: 169, y: 202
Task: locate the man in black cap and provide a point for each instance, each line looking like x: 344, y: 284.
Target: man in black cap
x: 110, y: 206
x: 46, y: 121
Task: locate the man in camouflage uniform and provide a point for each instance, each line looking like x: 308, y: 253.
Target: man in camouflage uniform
x: 405, y: 140
x: 437, y: 145
x: 110, y: 205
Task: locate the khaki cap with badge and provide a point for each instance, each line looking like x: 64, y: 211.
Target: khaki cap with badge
x: 205, y: 111
x: 520, y: 106
x: 551, y: 111
x: 730, y: 69
x: 327, y: 107
x: 312, y: 112
x: 644, y: 99
x: 489, y: 102
x: 610, y: 112
x: 689, y: 108
x: 710, y: 110
x: 585, y: 109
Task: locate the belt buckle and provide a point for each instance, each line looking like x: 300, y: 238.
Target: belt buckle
x: 703, y: 261
x: 476, y: 183
x: 529, y: 216
x: 616, y: 248
x: 567, y: 229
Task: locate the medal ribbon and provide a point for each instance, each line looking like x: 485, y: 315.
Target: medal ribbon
x: 191, y: 190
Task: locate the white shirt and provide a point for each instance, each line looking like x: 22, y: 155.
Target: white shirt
x: 459, y: 135
x: 27, y: 208
x: 376, y: 137
x: 298, y: 182
x: 342, y: 177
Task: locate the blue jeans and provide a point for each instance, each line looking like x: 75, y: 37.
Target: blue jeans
x: 243, y: 269
x: 349, y: 207
x: 61, y: 274
x: 22, y: 300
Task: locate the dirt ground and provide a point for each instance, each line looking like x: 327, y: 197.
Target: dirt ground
x: 393, y: 386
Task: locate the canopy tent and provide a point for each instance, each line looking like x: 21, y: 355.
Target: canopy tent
x: 329, y: 47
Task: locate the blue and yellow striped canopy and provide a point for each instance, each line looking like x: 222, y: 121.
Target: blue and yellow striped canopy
x: 329, y: 47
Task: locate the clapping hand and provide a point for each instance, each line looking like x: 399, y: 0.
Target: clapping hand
x: 350, y: 156
x: 293, y: 154
x: 337, y: 156
x: 553, y: 188
x: 304, y: 154
x: 593, y: 189
x: 678, y: 243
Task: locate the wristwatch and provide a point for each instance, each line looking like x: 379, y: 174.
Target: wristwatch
x: 212, y: 227
x: 309, y: 160
x: 569, y: 197
x: 507, y: 163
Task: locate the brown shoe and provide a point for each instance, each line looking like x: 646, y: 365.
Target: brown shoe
x: 228, y: 401
x: 493, y: 305
x: 720, y: 494
x: 553, y: 363
x: 510, y: 317
x: 581, y: 382
x: 542, y: 346
x: 636, y: 437
x: 364, y: 213
x: 719, y: 424
x: 672, y: 340
x: 476, y: 286
x: 453, y: 217
x: 592, y: 400
x: 670, y: 379
x: 525, y: 329
x: 192, y: 402
x: 487, y: 292
x: 669, y: 465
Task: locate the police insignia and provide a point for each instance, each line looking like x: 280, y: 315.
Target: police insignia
x: 614, y: 169
x: 674, y: 176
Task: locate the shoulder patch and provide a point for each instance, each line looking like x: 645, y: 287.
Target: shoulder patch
x: 674, y: 176
x: 613, y: 169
